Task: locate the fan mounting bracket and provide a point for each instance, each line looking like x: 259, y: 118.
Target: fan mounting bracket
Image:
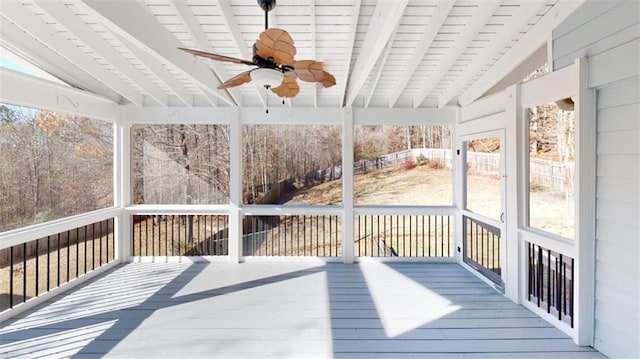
x: 267, y: 5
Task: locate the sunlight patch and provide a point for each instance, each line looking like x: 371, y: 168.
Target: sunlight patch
x: 402, y: 303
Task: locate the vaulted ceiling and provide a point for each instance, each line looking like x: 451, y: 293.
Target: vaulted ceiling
x: 386, y: 53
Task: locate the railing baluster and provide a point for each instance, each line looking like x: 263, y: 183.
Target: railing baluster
x: 77, y: 252
x: 68, y: 256
x: 548, y: 280
x: 563, y: 304
x: 48, y: 263
x: 324, y: 235
x: 93, y: 246
x: 24, y: 272
x: 58, y: 262
x: 166, y: 235
x: 529, y: 270
x: 173, y: 226
x: 11, y: 277
x: 539, y: 275
x: 571, y: 293
x: 100, y: 245
x: 558, y: 286
x: 37, y: 266
x: 85, y: 250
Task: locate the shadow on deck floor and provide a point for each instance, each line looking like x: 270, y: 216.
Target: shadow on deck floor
x: 276, y: 310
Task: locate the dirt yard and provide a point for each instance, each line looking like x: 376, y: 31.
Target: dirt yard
x: 387, y: 186
x: 426, y: 186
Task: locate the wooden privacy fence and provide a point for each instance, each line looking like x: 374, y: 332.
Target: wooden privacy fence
x: 392, y: 159
x: 545, y: 173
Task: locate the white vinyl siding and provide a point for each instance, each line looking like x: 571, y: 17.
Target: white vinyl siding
x: 608, y: 34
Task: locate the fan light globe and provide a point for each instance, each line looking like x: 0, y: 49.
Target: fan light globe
x: 266, y: 77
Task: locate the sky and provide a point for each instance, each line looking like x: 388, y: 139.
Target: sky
x: 5, y: 62
x: 13, y: 62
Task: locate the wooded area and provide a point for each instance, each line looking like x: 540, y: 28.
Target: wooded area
x: 52, y: 165
x: 189, y: 164
x: 180, y: 164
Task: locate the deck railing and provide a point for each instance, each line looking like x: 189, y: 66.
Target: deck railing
x: 180, y: 235
x: 481, y: 248
x: 295, y: 231
x: 403, y: 235
x: 550, y: 282
x: 292, y: 235
x: 34, y: 267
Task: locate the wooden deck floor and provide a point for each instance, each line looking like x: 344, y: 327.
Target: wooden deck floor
x: 278, y: 310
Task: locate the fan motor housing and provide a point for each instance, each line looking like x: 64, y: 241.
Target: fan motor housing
x: 267, y: 5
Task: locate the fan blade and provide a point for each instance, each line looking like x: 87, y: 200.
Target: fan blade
x: 278, y: 44
x: 312, y: 71
x: 327, y: 79
x: 237, y: 80
x: 288, y: 88
x: 308, y: 70
x: 217, y: 57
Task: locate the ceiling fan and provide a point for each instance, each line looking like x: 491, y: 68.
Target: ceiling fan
x: 276, y: 68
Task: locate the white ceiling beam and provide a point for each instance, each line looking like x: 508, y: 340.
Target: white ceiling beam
x: 236, y: 34
x: 527, y: 67
x: 355, y: 15
x: 34, y: 25
x: 298, y: 115
x: 480, y: 18
x: 386, y: 17
x: 191, y: 23
x: 537, y: 36
x: 24, y: 90
x: 429, y: 33
x: 35, y: 52
x: 74, y: 24
x: 134, y: 22
x: 379, y: 68
x: 516, y: 22
x: 156, y: 67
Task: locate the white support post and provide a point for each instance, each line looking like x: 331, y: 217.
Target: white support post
x: 585, y: 195
x: 122, y: 187
x: 235, y: 188
x: 512, y: 256
x: 347, y: 185
x: 458, y: 164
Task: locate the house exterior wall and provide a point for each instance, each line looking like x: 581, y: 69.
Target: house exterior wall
x: 607, y: 33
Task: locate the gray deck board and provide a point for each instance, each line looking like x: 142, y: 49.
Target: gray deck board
x: 276, y: 310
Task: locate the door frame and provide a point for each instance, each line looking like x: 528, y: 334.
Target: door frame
x: 485, y: 274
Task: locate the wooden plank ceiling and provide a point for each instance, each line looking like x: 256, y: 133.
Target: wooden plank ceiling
x: 398, y: 54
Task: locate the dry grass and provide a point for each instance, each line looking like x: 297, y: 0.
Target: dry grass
x: 72, y: 264
x: 388, y: 186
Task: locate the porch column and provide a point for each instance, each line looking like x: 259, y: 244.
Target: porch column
x: 122, y: 187
x: 235, y: 188
x: 515, y: 193
x: 347, y: 185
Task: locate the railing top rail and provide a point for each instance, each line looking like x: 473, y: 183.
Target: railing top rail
x: 36, y: 231
x: 404, y: 210
x: 152, y: 209
x: 559, y: 245
x: 274, y: 210
x: 492, y: 229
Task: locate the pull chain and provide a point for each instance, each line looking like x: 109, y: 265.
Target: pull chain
x: 267, y: 97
